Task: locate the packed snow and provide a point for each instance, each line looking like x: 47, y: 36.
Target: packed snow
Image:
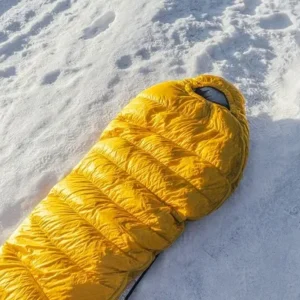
x: 68, y: 66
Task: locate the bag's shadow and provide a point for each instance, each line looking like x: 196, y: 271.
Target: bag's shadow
x: 248, y: 248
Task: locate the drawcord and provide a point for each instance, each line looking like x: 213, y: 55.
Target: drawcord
x: 139, y: 279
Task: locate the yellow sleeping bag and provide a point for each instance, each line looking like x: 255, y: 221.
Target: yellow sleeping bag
x: 168, y: 157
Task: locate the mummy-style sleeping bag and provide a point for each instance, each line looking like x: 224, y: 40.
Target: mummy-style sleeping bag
x: 171, y: 155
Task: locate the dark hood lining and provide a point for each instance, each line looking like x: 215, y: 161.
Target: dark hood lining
x: 213, y: 95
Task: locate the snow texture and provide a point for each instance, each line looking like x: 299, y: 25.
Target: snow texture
x: 68, y: 66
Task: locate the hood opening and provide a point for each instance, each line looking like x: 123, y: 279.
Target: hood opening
x: 213, y: 95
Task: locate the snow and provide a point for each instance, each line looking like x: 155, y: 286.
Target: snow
x: 68, y: 66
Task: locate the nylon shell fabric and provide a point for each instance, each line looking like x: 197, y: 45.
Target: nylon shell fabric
x: 168, y: 157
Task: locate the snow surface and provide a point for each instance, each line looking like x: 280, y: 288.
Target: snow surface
x: 68, y: 66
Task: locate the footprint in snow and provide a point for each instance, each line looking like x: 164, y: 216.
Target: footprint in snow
x: 29, y: 15
x: 250, y: 6
x: 8, y: 72
x: 113, y: 82
x: 61, y: 6
x: 124, y: 62
x: 50, y: 77
x: 143, y: 53
x: 276, y: 21
x: 99, y: 25
x: 14, y: 26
